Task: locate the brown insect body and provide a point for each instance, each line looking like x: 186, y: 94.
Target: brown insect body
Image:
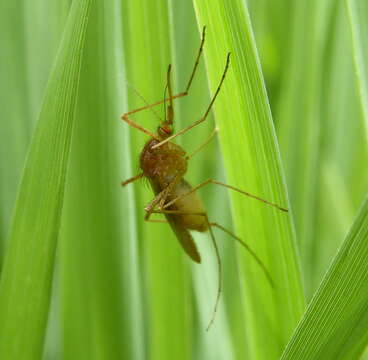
x: 164, y: 164
x: 161, y: 166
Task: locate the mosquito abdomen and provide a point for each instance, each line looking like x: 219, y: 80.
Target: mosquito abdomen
x: 184, y: 237
x: 189, y: 204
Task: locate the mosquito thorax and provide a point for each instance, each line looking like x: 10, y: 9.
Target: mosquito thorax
x: 163, y: 163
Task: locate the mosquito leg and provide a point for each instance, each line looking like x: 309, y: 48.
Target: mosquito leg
x: 147, y: 218
x: 152, y: 204
x: 126, y: 118
x: 185, y: 93
x: 153, y: 104
x: 206, y: 113
x: 172, y: 97
x: 248, y: 248
x: 170, y: 108
x: 219, y: 289
x: 219, y: 263
x: 151, y: 207
x: 161, y: 197
x: 200, y: 147
x: 132, y: 179
x: 155, y: 220
x: 211, y: 181
x: 197, y: 60
x: 161, y: 221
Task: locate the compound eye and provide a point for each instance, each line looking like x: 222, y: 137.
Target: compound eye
x: 165, y: 130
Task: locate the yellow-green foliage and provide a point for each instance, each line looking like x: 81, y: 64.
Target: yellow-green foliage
x: 292, y: 124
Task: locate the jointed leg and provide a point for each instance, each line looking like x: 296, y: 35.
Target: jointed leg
x: 161, y: 221
x: 161, y: 197
x: 214, y: 224
x: 248, y: 248
x: 148, y: 215
x: 148, y: 106
x: 200, y: 147
x: 206, y: 113
x: 150, y: 208
x: 219, y: 289
x: 197, y: 60
x: 125, y: 116
x: 211, y: 181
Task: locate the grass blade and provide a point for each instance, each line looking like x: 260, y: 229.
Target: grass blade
x: 252, y: 162
x: 341, y: 185
x: 147, y: 55
x: 99, y: 260
x: 334, y: 325
x: 28, y: 49
x: 300, y: 140
x: 27, y: 273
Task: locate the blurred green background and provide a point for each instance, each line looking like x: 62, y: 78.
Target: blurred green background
x: 122, y: 288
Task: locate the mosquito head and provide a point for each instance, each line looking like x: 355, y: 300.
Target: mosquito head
x: 165, y: 129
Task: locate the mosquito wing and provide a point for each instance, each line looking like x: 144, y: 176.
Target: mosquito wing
x: 184, y: 237
x: 180, y: 231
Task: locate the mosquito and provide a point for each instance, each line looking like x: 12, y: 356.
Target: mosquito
x: 165, y: 163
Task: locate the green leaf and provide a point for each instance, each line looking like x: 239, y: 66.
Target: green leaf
x: 100, y: 278
x: 300, y: 121
x: 334, y: 325
x: 27, y: 273
x: 252, y: 162
x: 147, y: 55
x: 340, y: 185
x: 124, y: 288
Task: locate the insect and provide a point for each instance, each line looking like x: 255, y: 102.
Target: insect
x: 165, y: 163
